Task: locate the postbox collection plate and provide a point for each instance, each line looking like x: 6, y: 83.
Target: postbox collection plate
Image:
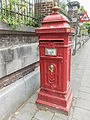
x: 50, y: 51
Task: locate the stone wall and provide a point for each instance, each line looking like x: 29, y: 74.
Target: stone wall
x: 78, y: 42
x: 19, y: 53
x: 7, y: 40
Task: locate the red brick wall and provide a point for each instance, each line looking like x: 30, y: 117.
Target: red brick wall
x: 43, y: 8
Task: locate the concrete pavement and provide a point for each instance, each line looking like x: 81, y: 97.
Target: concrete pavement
x: 80, y: 83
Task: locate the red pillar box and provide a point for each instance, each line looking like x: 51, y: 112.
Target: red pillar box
x: 55, y: 43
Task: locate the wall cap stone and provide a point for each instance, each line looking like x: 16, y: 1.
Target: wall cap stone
x: 6, y: 29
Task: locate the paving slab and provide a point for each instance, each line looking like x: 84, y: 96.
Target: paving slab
x: 86, y: 83
x: 33, y: 98
x: 61, y: 116
x: 35, y: 119
x: 81, y: 114
x: 85, y: 89
x: 13, y: 118
x: 44, y: 115
x: 57, y: 118
x: 26, y: 112
x: 87, y: 71
x: 85, y: 104
x: 83, y: 95
x: 74, y: 119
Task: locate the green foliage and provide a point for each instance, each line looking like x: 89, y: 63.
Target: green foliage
x: 71, y: 24
x: 35, y: 23
x: 63, y: 7
x: 82, y: 10
x: 84, y: 32
x: 40, y: 18
x: 83, y: 29
x: 88, y: 26
x: 11, y: 16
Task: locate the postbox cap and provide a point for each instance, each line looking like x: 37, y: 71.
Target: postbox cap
x: 55, y: 23
x: 55, y: 17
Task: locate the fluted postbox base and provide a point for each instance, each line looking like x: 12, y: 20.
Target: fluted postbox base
x: 58, y: 101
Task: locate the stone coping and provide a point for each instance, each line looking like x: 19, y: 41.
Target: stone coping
x: 6, y: 29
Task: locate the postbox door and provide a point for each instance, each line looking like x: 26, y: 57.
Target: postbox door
x: 51, y: 77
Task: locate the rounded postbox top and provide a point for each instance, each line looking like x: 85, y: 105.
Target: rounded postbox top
x: 55, y: 17
x: 55, y: 23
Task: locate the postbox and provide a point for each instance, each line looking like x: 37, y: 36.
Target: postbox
x: 55, y: 43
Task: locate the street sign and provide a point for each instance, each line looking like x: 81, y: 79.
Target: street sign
x: 84, y: 18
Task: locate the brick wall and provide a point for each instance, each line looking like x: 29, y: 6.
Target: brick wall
x: 43, y: 8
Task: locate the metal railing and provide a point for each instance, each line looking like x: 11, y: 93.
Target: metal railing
x: 18, y: 11
x: 21, y: 11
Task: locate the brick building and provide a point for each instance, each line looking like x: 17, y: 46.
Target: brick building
x: 73, y: 12
x: 45, y: 6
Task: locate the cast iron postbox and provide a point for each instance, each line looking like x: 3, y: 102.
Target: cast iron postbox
x: 55, y: 43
